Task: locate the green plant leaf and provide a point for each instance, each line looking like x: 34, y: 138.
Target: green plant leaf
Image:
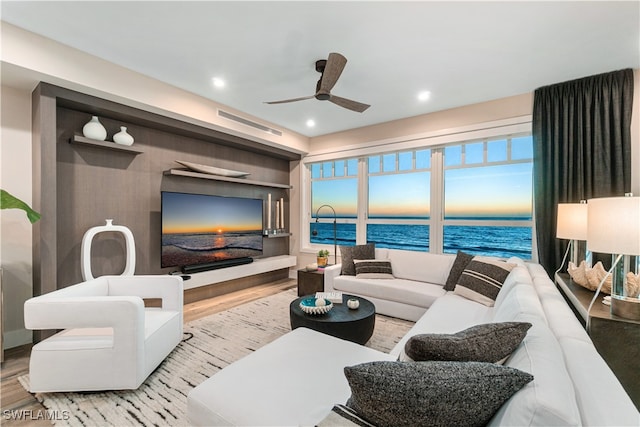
x: 7, y: 201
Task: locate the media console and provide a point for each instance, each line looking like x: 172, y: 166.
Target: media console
x: 189, y: 269
x: 258, y: 266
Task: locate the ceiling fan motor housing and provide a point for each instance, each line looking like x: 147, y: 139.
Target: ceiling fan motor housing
x: 320, y: 64
x: 322, y: 96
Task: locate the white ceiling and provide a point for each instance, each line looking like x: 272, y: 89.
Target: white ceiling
x: 462, y: 52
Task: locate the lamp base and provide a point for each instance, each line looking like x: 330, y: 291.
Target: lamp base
x: 626, y: 307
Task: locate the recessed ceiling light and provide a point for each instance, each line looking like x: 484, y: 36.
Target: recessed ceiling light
x: 311, y: 123
x: 424, y: 95
x: 218, y: 82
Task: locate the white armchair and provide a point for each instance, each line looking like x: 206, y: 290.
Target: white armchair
x: 109, y: 341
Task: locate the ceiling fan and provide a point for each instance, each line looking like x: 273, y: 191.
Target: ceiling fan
x: 330, y: 69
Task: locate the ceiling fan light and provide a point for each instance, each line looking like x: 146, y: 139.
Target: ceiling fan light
x: 311, y: 123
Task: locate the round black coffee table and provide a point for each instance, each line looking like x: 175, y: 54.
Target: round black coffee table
x: 341, y: 322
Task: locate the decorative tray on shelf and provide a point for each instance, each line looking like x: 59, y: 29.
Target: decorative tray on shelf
x: 308, y: 305
x: 212, y: 170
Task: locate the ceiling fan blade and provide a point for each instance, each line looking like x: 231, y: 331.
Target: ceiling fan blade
x: 332, y: 70
x: 349, y: 104
x: 290, y: 100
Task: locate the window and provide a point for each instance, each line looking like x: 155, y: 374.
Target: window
x: 399, y: 201
x: 488, y: 199
x: 479, y: 200
x: 334, y: 184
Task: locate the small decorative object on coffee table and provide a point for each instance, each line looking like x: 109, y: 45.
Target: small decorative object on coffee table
x: 353, y: 303
x: 341, y: 322
x: 312, y: 305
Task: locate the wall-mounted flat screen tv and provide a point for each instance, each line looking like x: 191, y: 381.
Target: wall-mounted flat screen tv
x: 200, y: 229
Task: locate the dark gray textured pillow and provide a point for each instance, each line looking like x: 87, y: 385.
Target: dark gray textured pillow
x: 373, y: 269
x: 349, y: 253
x: 431, y: 393
x: 490, y: 342
x: 481, y: 280
x: 460, y: 263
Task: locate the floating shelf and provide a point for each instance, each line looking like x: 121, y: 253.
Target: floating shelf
x: 190, y: 174
x: 109, y: 145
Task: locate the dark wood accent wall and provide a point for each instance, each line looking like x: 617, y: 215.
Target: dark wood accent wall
x: 77, y: 187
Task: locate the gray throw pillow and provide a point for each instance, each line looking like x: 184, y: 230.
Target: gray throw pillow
x: 482, y: 280
x: 490, y: 342
x: 373, y: 269
x: 431, y: 393
x: 349, y: 253
x: 460, y: 263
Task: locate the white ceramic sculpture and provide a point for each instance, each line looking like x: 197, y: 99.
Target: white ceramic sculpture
x: 122, y: 137
x: 93, y: 129
x: 85, y: 250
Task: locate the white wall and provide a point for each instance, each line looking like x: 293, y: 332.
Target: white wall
x: 15, y: 229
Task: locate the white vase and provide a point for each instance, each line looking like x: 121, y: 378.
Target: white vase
x: 93, y: 129
x: 122, y: 137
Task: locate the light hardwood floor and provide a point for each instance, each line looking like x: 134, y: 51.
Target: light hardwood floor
x: 16, y: 402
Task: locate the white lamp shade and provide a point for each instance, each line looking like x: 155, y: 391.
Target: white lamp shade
x: 613, y: 225
x: 572, y: 221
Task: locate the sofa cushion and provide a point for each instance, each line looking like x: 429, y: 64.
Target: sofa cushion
x: 549, y: 400
x: 421, y: 266
x: 403, y: 291
x: 447, y: 315
x: 462, y: 260
x: 373, y: 269
x: 481, y: 280
x: 520, y: 304
x: 349, y: 253
x: 606, y: 404
x: 431, y: 393
x: 489, y: 342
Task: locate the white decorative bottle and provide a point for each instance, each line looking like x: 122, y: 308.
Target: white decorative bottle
x: 122, y: 137
x: 93, y: 129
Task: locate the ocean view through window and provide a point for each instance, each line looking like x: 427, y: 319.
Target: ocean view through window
x: 480, y: 201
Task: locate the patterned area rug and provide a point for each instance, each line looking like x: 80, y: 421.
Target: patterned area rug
x: 210, y: 344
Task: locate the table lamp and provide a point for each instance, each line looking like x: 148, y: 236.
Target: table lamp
x: 613, y: 226
x: 572, y: 225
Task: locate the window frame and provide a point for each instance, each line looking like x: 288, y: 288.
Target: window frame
x: 436, y: 142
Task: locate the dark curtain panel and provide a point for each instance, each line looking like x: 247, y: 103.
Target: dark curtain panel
x: 582, y: 149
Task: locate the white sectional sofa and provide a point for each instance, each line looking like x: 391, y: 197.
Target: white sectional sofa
x: 296, y: 379
x: 418, y: 282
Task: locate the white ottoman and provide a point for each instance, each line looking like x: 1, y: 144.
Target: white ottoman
x: 294, y: 380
